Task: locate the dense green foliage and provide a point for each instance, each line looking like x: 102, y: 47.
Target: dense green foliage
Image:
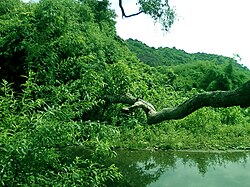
x: 58, y: 55
x: 58, y: 59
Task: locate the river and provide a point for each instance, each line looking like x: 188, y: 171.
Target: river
x: 184, y: 168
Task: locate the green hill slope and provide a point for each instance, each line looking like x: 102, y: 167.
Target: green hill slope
x: 196, y: 70
x: 172, y: 56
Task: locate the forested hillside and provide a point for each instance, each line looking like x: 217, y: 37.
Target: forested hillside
x: 172, y: 56
x: 63, y: 70
x: 198, y: 70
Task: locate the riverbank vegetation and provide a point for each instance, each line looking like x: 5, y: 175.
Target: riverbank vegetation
x: 60, y: 59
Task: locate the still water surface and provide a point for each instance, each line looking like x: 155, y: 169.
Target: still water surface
x: 184, y: 169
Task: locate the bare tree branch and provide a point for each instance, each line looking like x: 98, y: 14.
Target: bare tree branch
x: 239, y: 97
x: 123, y: 11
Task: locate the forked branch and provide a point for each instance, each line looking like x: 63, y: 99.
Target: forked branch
x: 123, y: 11
x: 239, y: 97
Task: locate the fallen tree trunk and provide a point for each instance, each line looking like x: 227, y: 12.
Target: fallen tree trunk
x: 239, y: 97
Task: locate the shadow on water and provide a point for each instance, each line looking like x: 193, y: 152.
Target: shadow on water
x: 169, y: 168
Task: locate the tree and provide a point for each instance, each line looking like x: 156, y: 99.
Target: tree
x: 159, y: 10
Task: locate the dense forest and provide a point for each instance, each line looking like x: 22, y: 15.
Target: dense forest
x: 61, y: 61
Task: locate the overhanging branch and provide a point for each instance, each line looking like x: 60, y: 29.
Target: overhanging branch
x: 239, y: 97
x: 123, y: 11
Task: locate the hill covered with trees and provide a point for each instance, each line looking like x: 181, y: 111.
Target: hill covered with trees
x: 63, y: 73
x: 198, y: 70
x: 171, y: 56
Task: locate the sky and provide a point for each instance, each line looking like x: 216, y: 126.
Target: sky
x: 210, y: 26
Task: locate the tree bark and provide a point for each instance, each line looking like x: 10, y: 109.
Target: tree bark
x: 239, y: 97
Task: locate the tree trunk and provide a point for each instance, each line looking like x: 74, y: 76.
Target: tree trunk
x: 239, y: 97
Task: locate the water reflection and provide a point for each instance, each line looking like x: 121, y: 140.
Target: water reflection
x: 162, y: 169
